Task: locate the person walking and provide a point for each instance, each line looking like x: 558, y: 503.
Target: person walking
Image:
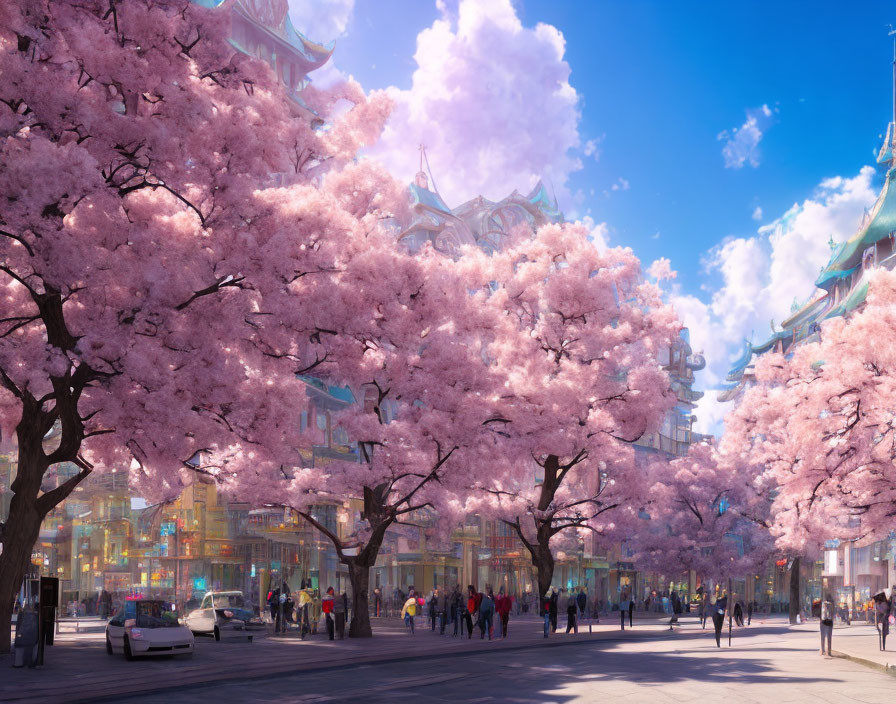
x: 623, y: 607
x: 473, y: 599
x: 340, y: 610
x: 676, y: 610
x: 486, y: 614
x: 738, y: 614
x: 327, y: 607
x: 546, y: 610
x: 631, y: 611
x: 408, y: 611
x: 881, y: 622
x: 443, y: 609
x: 503, y: 605
x: 750, y: 611
x: 827, y: 623
x: 718, y: 617
x: 571, y: 608
x: 459, y: 610
x: 555, y: 597
x: 581, y: 602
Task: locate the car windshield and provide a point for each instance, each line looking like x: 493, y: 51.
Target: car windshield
x: 230, y: 601
x: 156, y: 614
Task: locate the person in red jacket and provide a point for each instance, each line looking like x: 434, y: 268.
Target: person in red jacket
x: 474, y: 598
x: 503, y: 604
x: 327, y: 607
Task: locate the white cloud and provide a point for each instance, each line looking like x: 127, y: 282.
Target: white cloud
x: 321, y: 20
x: 593, y: 147
x: 761, y: 275
x: 742, y: 143
x: 599, y: 232
x: 621, y: 184
x: 757, y: 213
x: 491, y: 101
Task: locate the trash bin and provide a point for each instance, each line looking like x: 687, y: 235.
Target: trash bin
x: 27, y: 637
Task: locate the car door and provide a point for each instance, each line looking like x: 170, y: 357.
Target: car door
x: 207, y: 614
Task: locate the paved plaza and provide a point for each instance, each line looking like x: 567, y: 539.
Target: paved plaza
x: 769, y: 661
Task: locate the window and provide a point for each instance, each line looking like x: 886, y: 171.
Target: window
x: 206, y: 602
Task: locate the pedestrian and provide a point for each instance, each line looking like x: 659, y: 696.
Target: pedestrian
x: 738, y: 614
x: 623, y: 607
x: 443, y: 609
x: 274, y: 607
x: 750, y: 611
x: 340, y: 611
x: 581, y: 602
x: 473, y: 600
x: 827, y: 623
x: 327, y: 607
x: 705, y: 608
x: 882, y: 622
x: 431, y: 607
x: 503, y: 604
x: 408, y: 611
x: 459, y: 610
x: 555, y: 596
x: 631, y: 610
x: 676, y: 610
x: 305, y: 603
x: 571, y: 608
x: 486, y: 613
x: 546, y: 610
x: 718, y: 617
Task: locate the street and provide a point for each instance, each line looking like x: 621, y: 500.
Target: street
x: 765, y: 664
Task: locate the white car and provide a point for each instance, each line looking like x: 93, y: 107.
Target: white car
x: 147, y: 627
x: 225, y: 615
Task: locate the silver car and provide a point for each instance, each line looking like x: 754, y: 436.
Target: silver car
x: 225, y: 615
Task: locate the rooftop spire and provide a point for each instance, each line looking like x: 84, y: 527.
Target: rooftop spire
x: 892, y: 33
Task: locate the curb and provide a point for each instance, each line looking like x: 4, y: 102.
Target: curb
x: 887, y: 668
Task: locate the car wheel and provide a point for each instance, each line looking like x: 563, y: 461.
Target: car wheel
x: 108, y: 645
x: 128, y: 655
x: 217, y: 633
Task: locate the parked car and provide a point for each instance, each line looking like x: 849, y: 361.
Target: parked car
x: 225, y: 615
x: 147, y: 627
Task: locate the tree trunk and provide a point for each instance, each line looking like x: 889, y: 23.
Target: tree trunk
x: 543, y: 561
x: 20, y: 533
x: 22, y: 527
x: 794, y: 589
x: 359, y: 576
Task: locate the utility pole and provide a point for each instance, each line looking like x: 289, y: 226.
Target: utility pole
x: 730, y: 608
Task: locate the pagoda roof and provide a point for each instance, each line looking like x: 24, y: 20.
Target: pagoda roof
x: 311, y: 55
x: 807, y: 313
x: 880, y: 224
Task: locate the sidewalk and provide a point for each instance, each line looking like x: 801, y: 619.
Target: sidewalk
x: 860, y: 643
x: 78, y: 669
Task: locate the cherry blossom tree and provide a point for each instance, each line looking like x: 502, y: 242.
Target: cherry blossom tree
x: 410, y: 345
x: 707, y: 513
x: 159, y: 294
x: 578, y: 349
x: 822, y: 421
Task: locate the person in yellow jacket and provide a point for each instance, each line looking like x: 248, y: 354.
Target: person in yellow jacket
x: 408, y: 611
x: 304, y: 612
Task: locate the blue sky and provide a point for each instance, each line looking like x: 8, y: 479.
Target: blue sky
x: 656, y: 84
